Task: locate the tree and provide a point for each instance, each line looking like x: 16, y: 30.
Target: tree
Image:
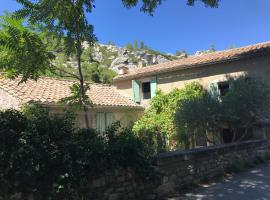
x: 136, y: 44
x: 129, y: 47
x: 157, y: 126
x: 66, y: 20
x: 149, y: 6
x: 195, y: 117
x: 142, y: 45
x: 239, y: 110
x: 245, y: 104
x: 22, y: 51
x: 181, y: 53
x: 212, y: 48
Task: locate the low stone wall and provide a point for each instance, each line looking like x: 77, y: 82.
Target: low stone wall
x: 122, y: 184
x: 175, y: 170
x: 182, y: 168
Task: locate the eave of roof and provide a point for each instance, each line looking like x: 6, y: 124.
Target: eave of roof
x: 199, y: 61
x: 50, y: 91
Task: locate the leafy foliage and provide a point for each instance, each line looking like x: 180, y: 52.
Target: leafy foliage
x: 246, y: 103
x: 67, y: 21
x: 157, y: 127
x: 64, y: 18
x: 178, y: 119
x: 98, y: 74
x: 238, y: 110
x: 74, y: 99
x: 149, y: 6
x: 195, y: 116
x: 22, y: 51
x: 45, y: 156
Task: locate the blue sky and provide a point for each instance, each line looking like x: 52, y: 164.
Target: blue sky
x: 175, y: 26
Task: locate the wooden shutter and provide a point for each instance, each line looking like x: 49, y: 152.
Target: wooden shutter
x: 136, y: 91
x: 153, y: 84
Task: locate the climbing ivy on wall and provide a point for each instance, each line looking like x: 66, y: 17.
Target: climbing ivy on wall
x: 157, y: 127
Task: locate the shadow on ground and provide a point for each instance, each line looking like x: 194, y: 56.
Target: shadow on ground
x: 250, y: 185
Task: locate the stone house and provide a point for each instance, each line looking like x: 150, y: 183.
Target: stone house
x: 108, y: 104
x: 211, y: 70
x: 132, y: 89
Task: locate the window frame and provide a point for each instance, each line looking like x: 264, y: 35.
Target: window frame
x: 146, y: 95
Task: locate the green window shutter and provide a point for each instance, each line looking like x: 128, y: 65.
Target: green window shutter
x: 213, y: 90
x: 101, y: 122
x: 153, y: 86
x: 136, y: 91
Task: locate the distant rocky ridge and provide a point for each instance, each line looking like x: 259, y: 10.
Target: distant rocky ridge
x: 113, y: 56
x: 101, y: 62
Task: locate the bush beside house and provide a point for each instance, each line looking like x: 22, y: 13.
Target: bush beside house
x: 45, y: 157
x: 157, y: 127
x: 192, y: 116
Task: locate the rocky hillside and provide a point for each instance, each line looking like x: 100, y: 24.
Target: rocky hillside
x: 109, y: 57
x: 113, y: 56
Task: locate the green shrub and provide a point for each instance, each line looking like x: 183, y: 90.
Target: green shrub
x: 157, y: 127
x: 238, y: 110
x: 44, y: 155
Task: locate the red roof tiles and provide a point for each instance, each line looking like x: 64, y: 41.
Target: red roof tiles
x: 51, y: 91
x: 197, y: 61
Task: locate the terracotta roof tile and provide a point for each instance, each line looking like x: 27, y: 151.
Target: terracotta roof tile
x: 198, y: 60
x: 51, y: 91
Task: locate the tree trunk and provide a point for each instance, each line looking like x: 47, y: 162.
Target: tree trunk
x: 82, y: 86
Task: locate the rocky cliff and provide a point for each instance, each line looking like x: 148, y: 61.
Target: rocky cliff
x: 113, y: 56
x: 100, y: 62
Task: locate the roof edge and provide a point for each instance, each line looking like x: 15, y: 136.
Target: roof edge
x: 243, y: 52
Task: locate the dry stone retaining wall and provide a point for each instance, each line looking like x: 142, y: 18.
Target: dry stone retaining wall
x: 175, y: 170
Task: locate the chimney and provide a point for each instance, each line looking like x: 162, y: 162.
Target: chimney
x: 122, y: 69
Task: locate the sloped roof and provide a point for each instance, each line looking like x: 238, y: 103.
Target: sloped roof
x: 51, y: 91
x: 198, y: 60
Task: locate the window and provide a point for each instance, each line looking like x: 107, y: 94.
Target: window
x: 103, y: 121
x: 146, y: 90
x: 223, y: 88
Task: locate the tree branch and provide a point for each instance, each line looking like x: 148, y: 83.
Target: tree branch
x: 69, y: 75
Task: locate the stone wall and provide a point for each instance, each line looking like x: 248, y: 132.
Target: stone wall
x: 182, y: 168
x: 175, y: 170
x: 122, y: 185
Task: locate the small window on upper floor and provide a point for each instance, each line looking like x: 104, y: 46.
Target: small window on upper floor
x: 223, y: 88
x: 146, y: 90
